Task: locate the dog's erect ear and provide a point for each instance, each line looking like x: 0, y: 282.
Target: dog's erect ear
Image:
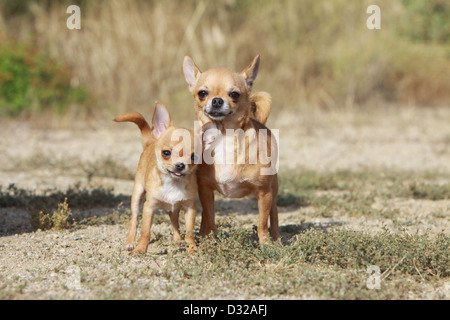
x: 251, y: 71
x: 191, y: 72
x: 161, y: 120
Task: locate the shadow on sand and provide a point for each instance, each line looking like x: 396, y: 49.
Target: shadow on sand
x: 249, y: 206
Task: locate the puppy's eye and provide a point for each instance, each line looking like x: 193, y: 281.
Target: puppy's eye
x: 234, y: 95
x: 202, y: 94
x: 193, y: 157
x: 166, y: 153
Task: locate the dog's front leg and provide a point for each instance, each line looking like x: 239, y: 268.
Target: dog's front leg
x: 147, y: 219
x: 206, y: 195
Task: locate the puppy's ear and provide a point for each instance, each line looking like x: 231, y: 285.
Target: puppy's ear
x: 161, y: 120
x: 251, y: 71
x: 191, y: 72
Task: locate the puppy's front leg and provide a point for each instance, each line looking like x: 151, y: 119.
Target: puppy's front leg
x: 191, y: 211
x: 147, y: 219
x: 175, y: 226
x: 136, y: 199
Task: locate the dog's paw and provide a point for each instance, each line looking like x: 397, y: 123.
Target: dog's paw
x: 139, y: 250
x: 130, y: 246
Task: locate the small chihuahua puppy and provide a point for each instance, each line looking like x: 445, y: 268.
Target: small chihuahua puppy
x: 223, y: 101
x: 165, y: 174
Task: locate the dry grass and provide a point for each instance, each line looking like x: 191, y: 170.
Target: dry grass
x: 314, y: 53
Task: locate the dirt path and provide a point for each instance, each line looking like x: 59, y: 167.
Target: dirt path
x: 38, y: 264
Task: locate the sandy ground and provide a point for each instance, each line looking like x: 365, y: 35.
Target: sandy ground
x: 416, y: 139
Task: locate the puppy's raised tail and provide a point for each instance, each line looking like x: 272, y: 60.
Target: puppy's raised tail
x: 260, y: 105
x: 139, y: 119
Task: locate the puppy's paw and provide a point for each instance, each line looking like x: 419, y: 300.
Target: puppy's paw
x: 139, y: 250
x: 130, y: 246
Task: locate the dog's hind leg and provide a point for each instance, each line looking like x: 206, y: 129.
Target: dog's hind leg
x: 267, y: 206
x: 265, y: 200
x: 274, y: 228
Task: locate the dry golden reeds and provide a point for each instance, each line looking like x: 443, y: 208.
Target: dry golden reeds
x: 129, y: 53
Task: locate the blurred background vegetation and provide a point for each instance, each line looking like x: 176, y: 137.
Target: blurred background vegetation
x: 314, y: 53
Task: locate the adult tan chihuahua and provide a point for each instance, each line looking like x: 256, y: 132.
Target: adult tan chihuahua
x: 166, y: 174
x: 223, y: 102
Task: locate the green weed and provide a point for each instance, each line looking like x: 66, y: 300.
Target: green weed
x: 31, y: 82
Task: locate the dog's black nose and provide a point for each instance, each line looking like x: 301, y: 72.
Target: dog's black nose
x: 179, y: 166
x: 217, y: 102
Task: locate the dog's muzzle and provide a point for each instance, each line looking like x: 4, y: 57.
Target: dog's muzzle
x: 217, y: 109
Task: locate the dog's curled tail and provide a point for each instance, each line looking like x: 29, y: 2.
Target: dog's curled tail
x: 139, y: 119
x: 260, y: 105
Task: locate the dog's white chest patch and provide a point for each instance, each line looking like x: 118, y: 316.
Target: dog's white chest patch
x: 224, y: 160
x: 225, y: 163
x: 172, y: 191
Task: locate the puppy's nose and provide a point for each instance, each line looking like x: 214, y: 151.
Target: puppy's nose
x: 179, y: 166
x: 217, y: 102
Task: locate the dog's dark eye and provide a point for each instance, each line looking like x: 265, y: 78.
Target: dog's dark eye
x: 202, y: 94
x: 193, y: 157
x: 166, y: 153
x: 234, y: 95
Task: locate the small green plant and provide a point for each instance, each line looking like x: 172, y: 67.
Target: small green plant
x: 428, y: 21
x: 32, y: 82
